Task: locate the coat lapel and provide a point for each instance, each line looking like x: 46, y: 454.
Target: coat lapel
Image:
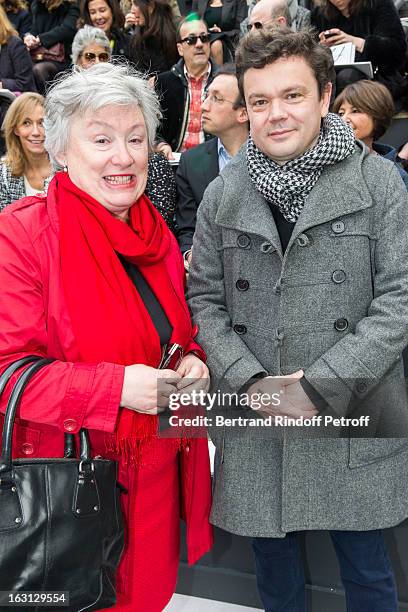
x: 245, y: 209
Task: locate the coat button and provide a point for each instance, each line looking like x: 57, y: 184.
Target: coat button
x: 280, y: 334
x: 266, y: 247
x: 242, y: 284
x: 244, y: 241
x: 341, y: 324
x: 27, y: 448
x: 361, y: 387
x: 339, y: 276
x: 338, y: 227
x: 70, y: 425
x: 303, y: 240
x: 240, y: 329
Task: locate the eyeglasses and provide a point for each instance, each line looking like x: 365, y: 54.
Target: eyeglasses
x: 216, y: 99
x: 102, y: 57
x: 257, y: 25
x: 192, y: 39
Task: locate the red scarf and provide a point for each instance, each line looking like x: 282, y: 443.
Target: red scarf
x: 109, y: 318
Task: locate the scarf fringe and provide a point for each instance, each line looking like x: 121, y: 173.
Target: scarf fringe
x: 131, y: 450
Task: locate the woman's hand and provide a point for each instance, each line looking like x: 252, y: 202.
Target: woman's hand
x: 194, y: 374
x: 31, y: 42
x: 147, y: 389
x: 215, y: 28
x: 131, y: 20
x: 165, y: 149
x: 332, y: 37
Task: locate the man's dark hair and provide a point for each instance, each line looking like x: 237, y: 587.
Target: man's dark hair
x: 230, y: 69
x: 267, y: 45
x: 371, y: 98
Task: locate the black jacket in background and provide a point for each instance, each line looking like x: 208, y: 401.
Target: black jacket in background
x: 57, y: 26
x: 232, y: 13
x: 379, y: 25
x: 197, y: 168
x: 16, y: 67
x: 172, y: 88
x: 120, y: 44
x: 21, y: 21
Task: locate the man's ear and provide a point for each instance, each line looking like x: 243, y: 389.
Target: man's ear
x: 242, y: 116
x: 180, y: 49
x: 325, y: 101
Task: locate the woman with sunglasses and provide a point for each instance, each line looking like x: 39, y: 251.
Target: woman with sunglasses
x: 90, y: 46
x: 107, y: 16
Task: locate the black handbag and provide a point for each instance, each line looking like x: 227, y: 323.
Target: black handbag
x: 61, y: 527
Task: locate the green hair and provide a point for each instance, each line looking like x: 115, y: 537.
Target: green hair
x: 188, y: 19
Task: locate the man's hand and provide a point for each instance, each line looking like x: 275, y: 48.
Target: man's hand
x: 334, y: 36
x: 165, y: 149
x: 294, y: 402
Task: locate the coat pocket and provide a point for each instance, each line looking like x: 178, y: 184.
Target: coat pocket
x: 372, y: 450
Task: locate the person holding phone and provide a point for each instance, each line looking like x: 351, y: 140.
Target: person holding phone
x: 374, y: 28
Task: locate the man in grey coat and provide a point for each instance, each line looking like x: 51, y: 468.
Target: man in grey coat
x: 299, y: 286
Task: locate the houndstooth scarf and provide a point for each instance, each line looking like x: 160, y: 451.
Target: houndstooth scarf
x: 289, y: 185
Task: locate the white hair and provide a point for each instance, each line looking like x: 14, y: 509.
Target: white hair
x: 86, y: 36
x: 77, y: 91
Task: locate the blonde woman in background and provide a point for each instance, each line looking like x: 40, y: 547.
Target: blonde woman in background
x: 26, y: 167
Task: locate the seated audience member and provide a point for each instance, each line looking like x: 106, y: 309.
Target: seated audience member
x: 368, y: 108
x: 91, y: 46
x: 224, y: 116
x: 107, y: 15
x: 285, y: 13
x: 50, y: 38
x: 270, y: 13
x: 181, y: 89
x: 16, y: 67
x: 18, y: 15
x: 126, y: 7
x: 373, y: 26
x: 26, y: 167
x: 223, y: 18
x: 153, y: 43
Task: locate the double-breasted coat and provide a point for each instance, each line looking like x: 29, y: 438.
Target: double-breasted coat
x: 335, y: 305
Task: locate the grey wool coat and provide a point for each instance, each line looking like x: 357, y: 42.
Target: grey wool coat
x: 336, y: 306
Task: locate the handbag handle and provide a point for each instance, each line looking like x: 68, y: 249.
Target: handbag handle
x: 14, y: 400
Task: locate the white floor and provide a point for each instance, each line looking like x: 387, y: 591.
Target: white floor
x: 184, y: 603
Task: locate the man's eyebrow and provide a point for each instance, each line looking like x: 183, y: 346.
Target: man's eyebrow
x: 284, y: 91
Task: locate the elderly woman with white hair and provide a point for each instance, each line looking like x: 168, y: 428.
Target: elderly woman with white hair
x: 90, y: 46
x: 91, y: 276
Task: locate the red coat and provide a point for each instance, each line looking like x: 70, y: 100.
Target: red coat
x: 69, y: 395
